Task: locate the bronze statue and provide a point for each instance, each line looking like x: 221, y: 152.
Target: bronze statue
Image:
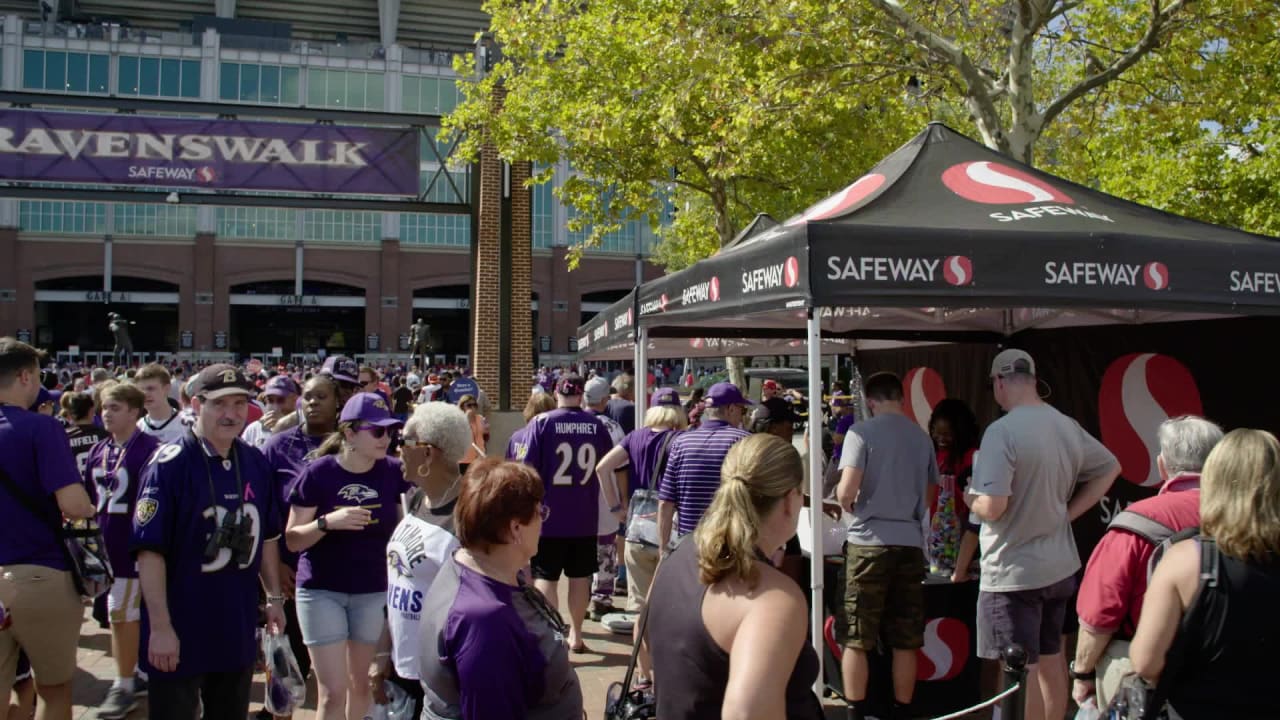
x: 122, y: 354
x: 419, y: 344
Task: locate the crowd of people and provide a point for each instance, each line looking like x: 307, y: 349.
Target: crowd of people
x: 363, y: 514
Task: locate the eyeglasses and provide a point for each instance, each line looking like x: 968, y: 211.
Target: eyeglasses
x: 470, y: 406
x: 377, y: 431
x: 275, y: 400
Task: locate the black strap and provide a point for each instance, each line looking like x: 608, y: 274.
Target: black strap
x: 661, y: 464
x: 31, y: 505
x: 1149, y: 529
x: 635, y: 649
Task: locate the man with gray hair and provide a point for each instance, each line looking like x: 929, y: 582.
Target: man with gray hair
x: 1115, y: 579
x: 622, y: 406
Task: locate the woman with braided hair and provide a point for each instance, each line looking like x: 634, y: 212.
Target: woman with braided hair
x: 725, y: 625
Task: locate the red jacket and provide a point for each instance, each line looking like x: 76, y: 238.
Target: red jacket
x: 1115, y: 580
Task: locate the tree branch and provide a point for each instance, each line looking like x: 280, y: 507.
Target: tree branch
x: 1150, y: 39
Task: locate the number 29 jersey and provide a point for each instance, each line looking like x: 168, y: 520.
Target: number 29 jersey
x: 213, y: 605
x: 564, y: 446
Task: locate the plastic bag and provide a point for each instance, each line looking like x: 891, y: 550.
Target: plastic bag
x: 286, y: 688
x: 399, y: 705
x: 1088, y: 710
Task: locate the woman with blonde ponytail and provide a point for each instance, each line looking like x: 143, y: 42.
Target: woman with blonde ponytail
x: 726, y: 626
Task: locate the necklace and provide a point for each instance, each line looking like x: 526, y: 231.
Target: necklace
x: 433, y: 505
x: 124, y: 450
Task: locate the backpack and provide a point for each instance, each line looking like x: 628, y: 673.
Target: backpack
x: 1155, y: 532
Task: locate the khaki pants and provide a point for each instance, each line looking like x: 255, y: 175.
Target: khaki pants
x: 47, y: 614
x: 1113, y: 666
x: 641, y: 562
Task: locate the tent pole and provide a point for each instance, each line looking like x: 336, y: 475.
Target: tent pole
x: 816, y: 559
x: 642, y: 375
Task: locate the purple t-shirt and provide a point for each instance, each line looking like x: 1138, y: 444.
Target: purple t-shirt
x: 564, y: 446
x: 486, y: 650
x: 114, y: 473
x: 642, y: 448
x: 349, y: 561
x: 36, y: 455
x: 286, y: 453
x: 213, y: 605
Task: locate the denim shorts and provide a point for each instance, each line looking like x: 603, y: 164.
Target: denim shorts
x: 328, y: 617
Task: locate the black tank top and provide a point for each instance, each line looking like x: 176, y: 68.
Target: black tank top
x: 1232, y: 631
x: 691, y: 670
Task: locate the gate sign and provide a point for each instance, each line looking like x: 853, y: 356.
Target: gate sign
x: 207, y: 154
x: 463, y: 386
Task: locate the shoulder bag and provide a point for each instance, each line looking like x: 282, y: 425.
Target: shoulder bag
x: 81, y: 540
x: 642, y: 519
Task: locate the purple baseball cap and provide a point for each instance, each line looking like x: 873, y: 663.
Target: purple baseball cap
x: 342, y: 368
x: 724, y: 394
x: 570, y: 386
x: 281, y: 386
x: 370, y: 408
x: 665, y: 396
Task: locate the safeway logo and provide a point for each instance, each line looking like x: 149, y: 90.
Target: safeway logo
x: 955, y: 269
x: 1140, y: 391
x: 996, y: 184
x: 622, y: 321
x: 1155, y: 275
x: 945, y: 651
x: 771, y: 276
x: 708, y: 291
x: 600, y: 332
x: 844, y: 201
x: 923, y: 390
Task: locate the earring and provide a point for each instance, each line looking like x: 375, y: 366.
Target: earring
x: 422, y: 472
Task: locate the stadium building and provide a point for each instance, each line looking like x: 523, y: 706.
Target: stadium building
x: 257, y: 177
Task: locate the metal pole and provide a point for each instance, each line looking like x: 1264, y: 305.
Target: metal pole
x: 1013, y: 661
x: 816, y: 559
x: 642, y: 374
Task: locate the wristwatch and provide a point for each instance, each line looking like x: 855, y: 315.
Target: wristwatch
x: 1071, y: 670
x: 275, y: 599
x: 615, y: 508
x: 322, y: 524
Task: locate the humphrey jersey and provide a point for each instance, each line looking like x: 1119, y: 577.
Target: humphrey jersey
x: 213, y: 603
x: 564, y: 446
x: 82, y: 439
x: 114, y: 473
x: 415, y: 554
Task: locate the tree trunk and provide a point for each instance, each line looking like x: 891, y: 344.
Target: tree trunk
x: 724, y: 228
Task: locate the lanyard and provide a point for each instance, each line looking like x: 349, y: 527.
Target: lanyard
x: 124, y: 450
x: 208, y: 472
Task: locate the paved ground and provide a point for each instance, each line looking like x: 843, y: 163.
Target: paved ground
x: 596, y: 670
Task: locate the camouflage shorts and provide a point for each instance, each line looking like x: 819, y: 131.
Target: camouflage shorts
x: 884, y: 596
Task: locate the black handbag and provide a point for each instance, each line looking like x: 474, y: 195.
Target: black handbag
x: 623, y: 703
x: 81, y: 541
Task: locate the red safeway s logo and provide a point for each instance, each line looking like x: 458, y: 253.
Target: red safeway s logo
x: 206, y: 174
x: 957, y: 270
x: 662, y: 302
x: 791, y: 272
x: 922, y: 389
x: 1155, y: 275
x: 997, y: 184
x: 695, y: 343
x: 945, y: 651
x: 715, y: 289
x: 1139, y: 391
x: 843, y: 201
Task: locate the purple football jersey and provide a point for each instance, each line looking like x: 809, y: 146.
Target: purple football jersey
x: 286, y: 453
x: 115, y: 472
x: 564, y: 446
x: 213, y: 605
x: 349, y: 561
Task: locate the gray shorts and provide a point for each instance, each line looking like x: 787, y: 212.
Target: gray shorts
x: 1030, y: 618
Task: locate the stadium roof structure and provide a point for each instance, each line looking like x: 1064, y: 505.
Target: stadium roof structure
x: 434, y: 24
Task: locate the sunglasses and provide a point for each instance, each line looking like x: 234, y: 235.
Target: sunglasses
x: 540, y: 605
x: 377, y: 431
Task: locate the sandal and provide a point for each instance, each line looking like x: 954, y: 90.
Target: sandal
x: 580, y: 649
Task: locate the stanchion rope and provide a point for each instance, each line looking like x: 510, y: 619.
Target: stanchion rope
x: 986, y: 703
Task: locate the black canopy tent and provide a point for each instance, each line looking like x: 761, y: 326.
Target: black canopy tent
x: 947, y: 240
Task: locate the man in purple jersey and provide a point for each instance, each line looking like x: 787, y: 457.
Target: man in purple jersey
x: 206, y: 522
x: 564, y: 446
x: 113, y: 469
x: 38, y: 482
x: 692, y: 475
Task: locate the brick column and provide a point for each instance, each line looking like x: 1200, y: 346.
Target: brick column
x: 204, y: 270
x: 521, y: 283
x: 486, y: 326
x: 10, y: 298
x: 391, y: 321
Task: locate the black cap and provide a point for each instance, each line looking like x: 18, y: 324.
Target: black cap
x: 774, y: 410
x: 221, y: 380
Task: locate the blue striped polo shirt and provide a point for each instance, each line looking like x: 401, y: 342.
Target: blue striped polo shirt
x: 692, y: 475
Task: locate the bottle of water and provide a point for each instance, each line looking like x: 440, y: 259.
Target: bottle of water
x: 1089, y: 710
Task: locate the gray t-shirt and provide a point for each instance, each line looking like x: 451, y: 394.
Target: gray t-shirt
x: 899, y: 464
x: 1035, y: 456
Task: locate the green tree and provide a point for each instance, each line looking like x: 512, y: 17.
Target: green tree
x: 720, y: 109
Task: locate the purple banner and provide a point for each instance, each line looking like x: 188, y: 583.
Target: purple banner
x: 215, y: 154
